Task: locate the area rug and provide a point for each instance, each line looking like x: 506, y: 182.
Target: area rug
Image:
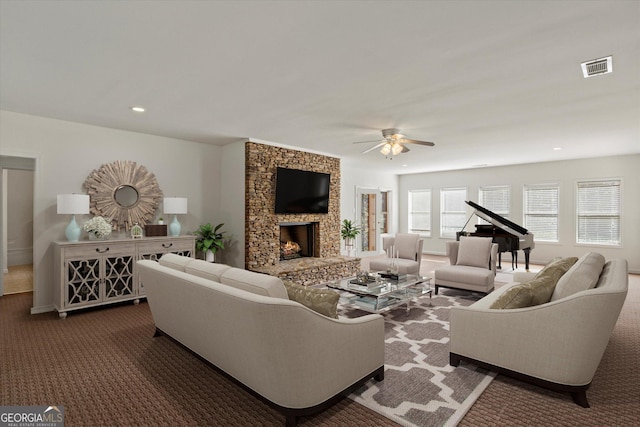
x: 420, y: 388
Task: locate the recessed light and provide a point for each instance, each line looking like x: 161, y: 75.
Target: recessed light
x: 138, y: 109
x: 404, y: 166
x: 557, y: 148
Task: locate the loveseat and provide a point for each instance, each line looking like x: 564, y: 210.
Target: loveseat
x: 243, y: 323
x: 556, y: 344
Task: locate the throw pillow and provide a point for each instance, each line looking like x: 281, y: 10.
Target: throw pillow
x: 582, y: 276
x: 556, y: 269
x: 517, y: 296
x: 541, y: 289
x: 323, y: 301
x: 474, y: 251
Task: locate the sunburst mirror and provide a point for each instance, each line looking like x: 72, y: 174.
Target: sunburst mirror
x: 125, y: 192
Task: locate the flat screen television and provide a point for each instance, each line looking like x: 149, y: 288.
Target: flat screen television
x: 299, y: 191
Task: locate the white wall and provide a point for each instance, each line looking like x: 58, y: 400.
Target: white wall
x: 67, y: 152
x: 565, y: 173
x: 353, y: 177
x: 232, y: 209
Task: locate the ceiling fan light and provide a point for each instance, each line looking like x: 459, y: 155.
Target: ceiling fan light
x: 396, y: 149
x: 386, y: 149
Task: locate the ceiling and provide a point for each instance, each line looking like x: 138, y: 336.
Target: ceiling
x: 490, y: 82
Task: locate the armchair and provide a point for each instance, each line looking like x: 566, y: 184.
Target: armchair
x: 409, y: 247
x: 472, y: 265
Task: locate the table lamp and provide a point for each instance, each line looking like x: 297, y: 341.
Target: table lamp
x: 175, y: 206
x: 73, y: 204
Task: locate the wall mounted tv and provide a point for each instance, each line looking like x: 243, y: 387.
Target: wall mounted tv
x: 299, y: 191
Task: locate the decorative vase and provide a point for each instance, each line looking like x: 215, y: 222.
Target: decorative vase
x: 209, y: 256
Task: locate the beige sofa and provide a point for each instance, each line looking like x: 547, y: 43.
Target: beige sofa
x: 557, y: 344
x: 244, y: 324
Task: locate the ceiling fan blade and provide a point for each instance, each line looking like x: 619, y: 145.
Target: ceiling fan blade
x: 405, y: 149
x: 413, y: 141
x: 373, y: 148
x: 363, y: 142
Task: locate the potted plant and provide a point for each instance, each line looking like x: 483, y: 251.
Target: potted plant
x: 349, y: 231
x: 209, y: 240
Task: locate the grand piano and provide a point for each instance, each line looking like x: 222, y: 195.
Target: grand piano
x: 509, y: 236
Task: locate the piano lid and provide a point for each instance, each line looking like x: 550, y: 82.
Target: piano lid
x: 497, y: 220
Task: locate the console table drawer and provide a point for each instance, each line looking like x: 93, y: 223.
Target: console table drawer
x: 84, y: 250
x: 168, y: 245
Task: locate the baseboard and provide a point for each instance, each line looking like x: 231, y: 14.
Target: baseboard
x: 44, y: 309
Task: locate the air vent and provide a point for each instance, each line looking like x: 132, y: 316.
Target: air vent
x: 597, y: 67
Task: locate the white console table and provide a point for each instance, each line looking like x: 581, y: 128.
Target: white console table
x: 92, y: 273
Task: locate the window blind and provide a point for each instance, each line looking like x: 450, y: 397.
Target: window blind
x: 496, y: 199
x: 541, y: 203
x: 598, y: 212
x: 452, y: 211
x: 420, y: 212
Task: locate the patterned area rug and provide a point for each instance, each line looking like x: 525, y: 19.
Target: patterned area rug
x: 420, y: 388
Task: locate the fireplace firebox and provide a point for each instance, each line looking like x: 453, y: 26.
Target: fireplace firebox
x: 297, y: 239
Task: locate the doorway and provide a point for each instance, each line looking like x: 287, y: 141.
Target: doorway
x: 370, y: 219
x: 16, y: 219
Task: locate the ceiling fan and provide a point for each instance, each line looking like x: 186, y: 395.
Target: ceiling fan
x: 393, y: 143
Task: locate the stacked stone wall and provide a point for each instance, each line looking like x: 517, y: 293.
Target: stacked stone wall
x: 262, y: 242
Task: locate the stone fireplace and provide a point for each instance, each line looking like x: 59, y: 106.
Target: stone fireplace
x: 297, y: 240
x: 319, y: 260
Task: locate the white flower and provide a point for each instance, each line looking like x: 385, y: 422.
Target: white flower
x: 99, y: 226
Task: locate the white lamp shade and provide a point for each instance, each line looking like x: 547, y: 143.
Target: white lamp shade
x: 73, y: 204
x: 174, y: 205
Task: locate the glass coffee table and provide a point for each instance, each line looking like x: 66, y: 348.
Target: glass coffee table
x: 380, y: 293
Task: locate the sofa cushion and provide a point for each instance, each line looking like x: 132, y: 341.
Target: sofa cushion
x: 323, y: 301
x: 406, y: 244
x: 518, y: 296
x: 257, y: 283
x: 207, y: 270
x: 177, y: 262
x: 582, y: 276
x: 474, y: 251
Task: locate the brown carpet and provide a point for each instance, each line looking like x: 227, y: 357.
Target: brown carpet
x: 105, y: 368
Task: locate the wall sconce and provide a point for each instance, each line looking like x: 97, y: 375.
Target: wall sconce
x: 175, y: 206
x: 74, y: 204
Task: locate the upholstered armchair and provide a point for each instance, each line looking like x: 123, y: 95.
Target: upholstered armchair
x: 472, y: 265
x: 409, y: 249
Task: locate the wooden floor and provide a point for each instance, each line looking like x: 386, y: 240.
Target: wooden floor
x: 19, y: 279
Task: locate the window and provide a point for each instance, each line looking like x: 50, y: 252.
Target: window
x: 420, y: 212
x: 541, y: 211
x: 452, y: 211
x: 496, y: 199
x: 598, y: 210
